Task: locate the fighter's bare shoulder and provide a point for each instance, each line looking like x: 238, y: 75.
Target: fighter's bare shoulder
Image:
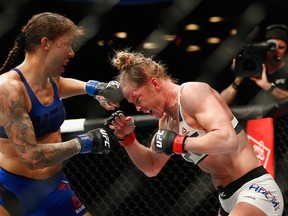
x: 194, y: 95
x: 195, y: 89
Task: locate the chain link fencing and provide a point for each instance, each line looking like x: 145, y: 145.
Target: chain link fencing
x: 111, y: 185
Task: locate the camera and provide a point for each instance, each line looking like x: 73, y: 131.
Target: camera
x: 248, y: 62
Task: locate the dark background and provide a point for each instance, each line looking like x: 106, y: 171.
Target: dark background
x: 140, y: 18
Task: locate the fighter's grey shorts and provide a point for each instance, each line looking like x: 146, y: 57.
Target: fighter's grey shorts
x: 257, y: 188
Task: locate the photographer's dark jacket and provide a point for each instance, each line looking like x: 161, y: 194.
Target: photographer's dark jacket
x: 280, y: 79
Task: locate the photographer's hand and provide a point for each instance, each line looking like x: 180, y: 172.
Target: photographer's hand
x: 262, y: 81
x: 238, y: 79
x: 230, y: 92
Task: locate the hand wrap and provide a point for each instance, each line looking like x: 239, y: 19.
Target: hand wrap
x: 127, y: 139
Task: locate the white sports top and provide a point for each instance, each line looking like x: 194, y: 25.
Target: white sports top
x: 184, y: 129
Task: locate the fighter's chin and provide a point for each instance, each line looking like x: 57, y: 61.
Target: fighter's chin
x: 62, y: 68
x: 156, y: 115
x: 148, y: 112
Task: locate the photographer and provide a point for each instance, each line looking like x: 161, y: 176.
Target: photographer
x: 272, y: 82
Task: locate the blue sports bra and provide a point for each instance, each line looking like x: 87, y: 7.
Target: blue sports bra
x: 45, y: 119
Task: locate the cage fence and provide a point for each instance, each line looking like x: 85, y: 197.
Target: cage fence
x: 111, y: 185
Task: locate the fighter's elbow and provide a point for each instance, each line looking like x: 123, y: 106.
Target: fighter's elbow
x: 32, y: 164
x: 151, y: 172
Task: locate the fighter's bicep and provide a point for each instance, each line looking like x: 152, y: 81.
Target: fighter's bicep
x: 17, y: 123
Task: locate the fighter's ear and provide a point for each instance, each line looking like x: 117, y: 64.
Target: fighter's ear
x: 45, y: 43
x: 155, y: 82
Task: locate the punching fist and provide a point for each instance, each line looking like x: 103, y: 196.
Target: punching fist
x: 110, y: 91
x: 169, y: 142
x: 96, y: 141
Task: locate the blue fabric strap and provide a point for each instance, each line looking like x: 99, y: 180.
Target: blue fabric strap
x: 91, y: 86
x: 86, y: 143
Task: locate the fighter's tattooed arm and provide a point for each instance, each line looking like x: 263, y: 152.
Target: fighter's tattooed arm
x: 19, y: 128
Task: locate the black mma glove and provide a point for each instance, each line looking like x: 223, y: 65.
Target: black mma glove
x: 111, y: 91
x: 96, y: 141
x: 169, y: 142
x: 125, y: 135
x: 112, y: 117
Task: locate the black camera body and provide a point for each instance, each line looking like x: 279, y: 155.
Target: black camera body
x: 249, y: 61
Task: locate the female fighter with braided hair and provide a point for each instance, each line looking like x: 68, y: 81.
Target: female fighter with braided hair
x: 32, y: 181
x: 195, y: 122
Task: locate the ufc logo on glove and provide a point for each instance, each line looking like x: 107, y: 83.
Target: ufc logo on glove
x: 114, y: 83
x: 159, y: 139
x: 106, y: 137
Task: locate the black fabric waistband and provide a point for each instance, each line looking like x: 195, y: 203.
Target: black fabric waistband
x: 222, y: 212
x: 230, y: 189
